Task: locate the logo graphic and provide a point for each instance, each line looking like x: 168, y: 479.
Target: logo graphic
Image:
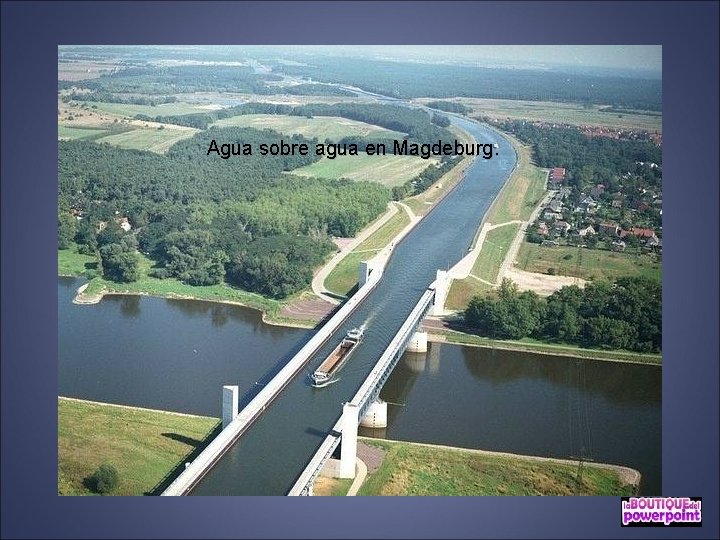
x: 661, y: 511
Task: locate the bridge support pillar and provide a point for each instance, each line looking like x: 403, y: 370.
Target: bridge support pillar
x: 442, y: 285
x: 418, y: 342
x: 348, y: 448
x: 376, y: 415
x: 366, y: 268
x: 230, y: 402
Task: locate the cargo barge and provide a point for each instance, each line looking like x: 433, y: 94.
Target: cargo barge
x: 325, y: 374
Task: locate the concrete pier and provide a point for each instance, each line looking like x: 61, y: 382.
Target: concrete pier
x: 376, y: 415
x: 367, y: 268
x: 418, y: 342
x: 442, y: 286
x: 230, y: 404
x: 348, y: 448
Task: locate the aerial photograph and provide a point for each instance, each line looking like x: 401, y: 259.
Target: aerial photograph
x: 359, y: 270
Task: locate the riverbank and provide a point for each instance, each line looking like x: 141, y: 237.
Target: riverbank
x: 410, y: 468
x: 442, y: 335
x: 147, y: 447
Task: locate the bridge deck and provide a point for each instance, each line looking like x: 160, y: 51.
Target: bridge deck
x: 228, y: 436
x: 367, y: 392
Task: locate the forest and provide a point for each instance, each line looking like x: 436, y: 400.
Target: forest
x: 625, y: 314
x: 161, y: 80
x: 205, y: 220
x: 411, y: 80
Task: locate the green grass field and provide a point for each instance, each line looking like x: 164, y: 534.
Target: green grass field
x: 165, y: 109
x: 72, y: 263
x: 587, y: 263
x: 345, y: 275
x: 71, y: 133
x: 318, y: 127
x: 151, y: 139
x: 389, y: 170
x: 412, y: 469
x: 462, y: 290
x: 331, y: 487
x: 496, y: 245
x: 144, y: 446
x: 567, y: 113
x: 486, y: 267
x: 524, y: 190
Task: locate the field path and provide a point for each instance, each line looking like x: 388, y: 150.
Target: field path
x: 464, y: 267
x: 318, y: 282
x: 509, y: 260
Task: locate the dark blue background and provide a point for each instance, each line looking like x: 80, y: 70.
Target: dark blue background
x: 30, y: 35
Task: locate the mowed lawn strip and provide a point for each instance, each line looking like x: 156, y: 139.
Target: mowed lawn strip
x: 493, y: 251
x: 318, y: 127
x: 143, y: 446
x: 523, y: 192
x: 462, y: 290
x: 164, y: 109
x: 587, y: 263
x: 563, y: 113
x: 410, y: 469
x: 70, y: 133
x: 150, y: 139
x: 345, y: 275
x: 389, y: 170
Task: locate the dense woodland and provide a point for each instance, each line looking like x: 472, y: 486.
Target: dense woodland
x: 204, y: 219
x: 178, y: 79
x: 411, y: 80
x: 626, y: 314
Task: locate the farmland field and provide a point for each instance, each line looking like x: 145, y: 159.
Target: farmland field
x: 67, y: 132
x: 137, y: 442
x: 165, y: 109
x: 319, y: 127
x: 568, y: 113
x: 153, y: 140
x: 587, y: 263
x: 388, y: 170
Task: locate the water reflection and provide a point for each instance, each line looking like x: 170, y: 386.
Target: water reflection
x: 529, y: 404
x: 130, y: 306
x: 612, y: 380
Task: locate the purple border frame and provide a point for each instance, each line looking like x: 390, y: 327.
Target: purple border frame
x: 688, y: 32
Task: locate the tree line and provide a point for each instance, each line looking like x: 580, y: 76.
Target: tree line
x: 624, y: 314
x: 412, y: 80
x: 417, y: 124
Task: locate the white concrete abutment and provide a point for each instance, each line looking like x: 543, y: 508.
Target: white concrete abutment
x: 230, y: 404
x: 376, y: 415
x: 348, y: 446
